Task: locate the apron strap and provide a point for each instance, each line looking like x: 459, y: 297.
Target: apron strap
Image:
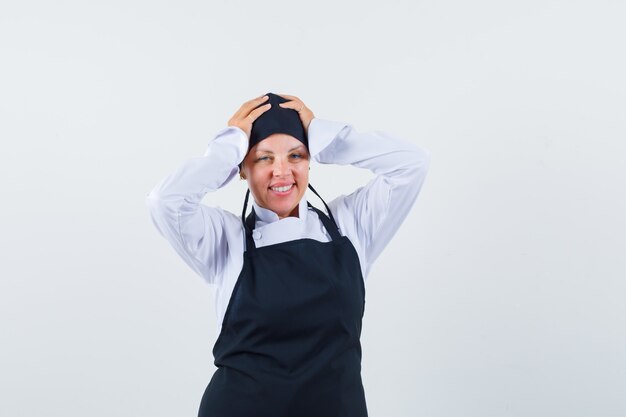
x: 325, y: 205
x: 328, y: 223
x: 327, y: 220
x: 248, y: 224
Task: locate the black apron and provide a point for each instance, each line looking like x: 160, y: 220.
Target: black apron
x: 290, y: 340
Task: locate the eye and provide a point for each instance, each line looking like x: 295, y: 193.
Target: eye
x: 296, y: 155
x: 263, y: 158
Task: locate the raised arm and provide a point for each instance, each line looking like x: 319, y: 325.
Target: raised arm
x: 200, y: 234
x: 372, y: 213
x: 194, y: 230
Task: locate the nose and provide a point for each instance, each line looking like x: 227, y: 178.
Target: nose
x: 281, y: 168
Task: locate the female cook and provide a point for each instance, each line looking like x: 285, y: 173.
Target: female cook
x: 289, y: 277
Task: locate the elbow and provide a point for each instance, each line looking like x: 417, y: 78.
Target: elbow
x: 417, y: 167
x: 158, y: 207
x: 422, y: 158
x: 163, y: 215
x: 153, y: 201
x: 155, y: 207
x: 159, y: 198
x: 419, y: 162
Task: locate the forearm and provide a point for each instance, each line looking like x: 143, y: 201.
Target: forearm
x: 198, y: 176
x: 194, y: 230
x: 380, y: 152
x: 372, y: 214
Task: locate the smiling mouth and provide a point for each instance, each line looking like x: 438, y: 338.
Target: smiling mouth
x: 282, y: 189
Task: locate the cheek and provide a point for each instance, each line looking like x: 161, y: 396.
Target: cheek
x: 260, y: 176
x: 252, y: 170
x: 303, y: 172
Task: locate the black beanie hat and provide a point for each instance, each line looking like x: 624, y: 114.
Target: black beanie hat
x: 277, y: 120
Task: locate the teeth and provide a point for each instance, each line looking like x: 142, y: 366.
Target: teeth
x: 282, y: 189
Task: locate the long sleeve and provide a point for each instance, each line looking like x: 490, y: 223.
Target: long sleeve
x: 374, y: 212
x: 198, y: 233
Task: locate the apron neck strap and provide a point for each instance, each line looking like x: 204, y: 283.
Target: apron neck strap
x: 325, y: 205
x: 329, y: 223
x: 249, y: 223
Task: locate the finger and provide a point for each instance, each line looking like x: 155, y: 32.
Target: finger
x: 254, y: 114
x: 258, y: 102
x: 254, y: 102
x: 294, y: 105
x: 246, y: 107
x: 294, y: 102
x: 260, y: 98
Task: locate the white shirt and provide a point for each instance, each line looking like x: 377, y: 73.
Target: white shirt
x: 212, y: 240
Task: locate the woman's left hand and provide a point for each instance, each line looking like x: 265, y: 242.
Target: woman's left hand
x: 306, y: 115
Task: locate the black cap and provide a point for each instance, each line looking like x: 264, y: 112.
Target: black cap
x: 277, y: 120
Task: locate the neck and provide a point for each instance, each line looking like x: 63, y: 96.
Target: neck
x: 294, y: 213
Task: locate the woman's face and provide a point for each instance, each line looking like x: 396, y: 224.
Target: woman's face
x: 277, y: 171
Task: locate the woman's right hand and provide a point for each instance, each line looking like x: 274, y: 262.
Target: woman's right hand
x: 248, y: 113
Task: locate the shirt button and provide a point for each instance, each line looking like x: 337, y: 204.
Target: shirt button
x: 256, y: 235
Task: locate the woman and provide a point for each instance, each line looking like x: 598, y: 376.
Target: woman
x: 289, y: 278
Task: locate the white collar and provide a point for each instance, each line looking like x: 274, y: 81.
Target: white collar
x: 268, y: 216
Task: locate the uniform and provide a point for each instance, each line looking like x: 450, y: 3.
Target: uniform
x: 307, y: 361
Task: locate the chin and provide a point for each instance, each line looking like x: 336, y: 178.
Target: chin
x: 284, y: 211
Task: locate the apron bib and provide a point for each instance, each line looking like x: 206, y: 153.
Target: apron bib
x: 290, y: 339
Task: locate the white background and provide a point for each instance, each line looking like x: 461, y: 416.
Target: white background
x: 503, y: 294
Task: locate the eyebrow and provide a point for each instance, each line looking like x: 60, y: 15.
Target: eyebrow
x: 268, y: 151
